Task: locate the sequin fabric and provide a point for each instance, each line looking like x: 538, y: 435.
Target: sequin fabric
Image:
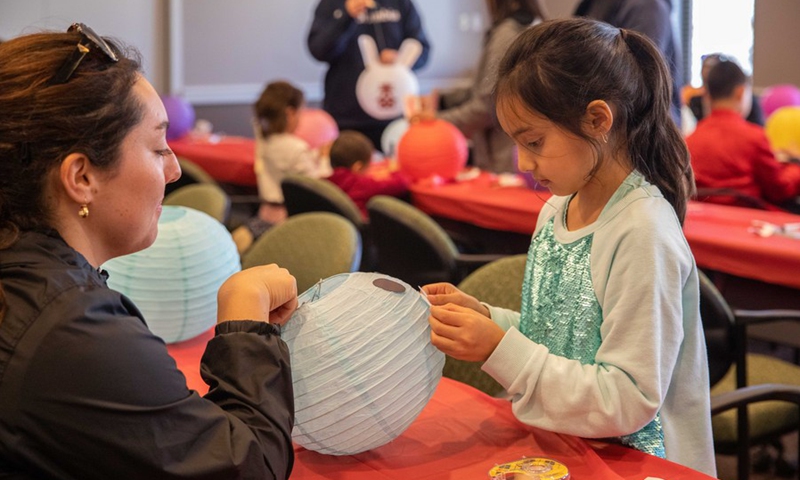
x: 560, y: 311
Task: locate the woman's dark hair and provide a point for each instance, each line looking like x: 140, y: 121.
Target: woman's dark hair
x: 271, y: 106
x: 351, y: 147
x: 558, y: 67
x: 42, y: 123
x: 526, y: 11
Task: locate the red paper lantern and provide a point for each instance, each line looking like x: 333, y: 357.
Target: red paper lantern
x: 432, y: 147
x: 316, y: 127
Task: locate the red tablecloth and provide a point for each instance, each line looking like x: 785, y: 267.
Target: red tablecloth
x: 228, y: 159
x: 461, y: 434
x: 718, y: 235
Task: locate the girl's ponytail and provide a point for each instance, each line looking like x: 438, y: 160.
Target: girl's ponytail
x: 654, y: 142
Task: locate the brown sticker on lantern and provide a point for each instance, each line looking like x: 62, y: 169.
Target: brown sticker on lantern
x: 389, y: 285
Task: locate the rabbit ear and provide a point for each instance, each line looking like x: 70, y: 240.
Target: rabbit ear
x: 409, y: 52
x: 369, y: 50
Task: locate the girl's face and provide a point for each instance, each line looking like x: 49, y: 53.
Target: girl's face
x: 127, y: 202
x: 556, y: 158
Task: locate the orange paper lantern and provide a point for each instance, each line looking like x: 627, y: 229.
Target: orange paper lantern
x: 432, y: 147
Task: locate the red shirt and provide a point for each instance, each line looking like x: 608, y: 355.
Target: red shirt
x: 361, y: 187
x: 729, y: 152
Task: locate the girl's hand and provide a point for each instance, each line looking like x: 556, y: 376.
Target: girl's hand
x: 444, y: 293
x: 463, y: 333
x: 266, y: 293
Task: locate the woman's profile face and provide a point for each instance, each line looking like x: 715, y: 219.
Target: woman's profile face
x: 127, y: 203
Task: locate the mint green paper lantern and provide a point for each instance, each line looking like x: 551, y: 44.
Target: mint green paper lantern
x: 174, y: 282
x: 363, y: 365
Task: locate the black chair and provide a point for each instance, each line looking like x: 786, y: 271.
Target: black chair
x: 411, y: 246
x: 754, y: 398
x: 715, y: 195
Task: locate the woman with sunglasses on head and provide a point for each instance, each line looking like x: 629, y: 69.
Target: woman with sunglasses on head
x: 86, y: 390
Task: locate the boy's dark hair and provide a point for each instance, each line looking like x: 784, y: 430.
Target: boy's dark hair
x: 558, y: 67
x: 351, y: 147
x: 724, y: 78
x: 270, y: 109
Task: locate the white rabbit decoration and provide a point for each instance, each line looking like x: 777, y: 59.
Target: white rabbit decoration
x: 381, y: 88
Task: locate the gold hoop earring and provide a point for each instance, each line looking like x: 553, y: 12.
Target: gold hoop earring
x: 84, y: 211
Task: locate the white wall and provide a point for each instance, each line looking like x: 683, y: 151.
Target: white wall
x: 139, y: 23
x: 256, y: 41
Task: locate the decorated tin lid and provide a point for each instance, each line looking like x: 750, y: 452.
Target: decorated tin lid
x: 535, y: 468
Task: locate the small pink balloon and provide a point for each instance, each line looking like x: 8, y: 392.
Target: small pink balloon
x: 316, y: 127
x: 777, y: 96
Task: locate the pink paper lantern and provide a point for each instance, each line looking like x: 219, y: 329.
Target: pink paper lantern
x: 316, y: 127
x: 778, y: 96
x: 432, y: 147
x: 181, y: 116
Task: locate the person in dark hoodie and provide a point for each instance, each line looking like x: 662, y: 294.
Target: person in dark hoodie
x: 333, y: 39
x: 652, y: 18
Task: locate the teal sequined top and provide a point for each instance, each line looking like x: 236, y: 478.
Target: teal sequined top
x: 560, y: 310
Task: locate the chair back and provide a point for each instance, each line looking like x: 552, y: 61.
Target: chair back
x: 191, y: 173
x: 499, y: 284
x: 718, y: 322
x: 208, y: 198
x: 303, y: 194
x: 312, y: 246
x: 410, y: 245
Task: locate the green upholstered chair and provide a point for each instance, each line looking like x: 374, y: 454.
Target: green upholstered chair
x: 312, y: 246
x: 766, y: 388
x: 498, y: 283
x: 411, y: 246
x: 205, y: 197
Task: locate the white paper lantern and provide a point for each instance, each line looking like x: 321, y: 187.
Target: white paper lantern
x: 391, y: 137
x: 363, y: 366
x: 174, y: 282
x: 382, y: 88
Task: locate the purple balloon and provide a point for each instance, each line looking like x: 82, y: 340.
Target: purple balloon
x: 181, y: 116
x: 777, y: 96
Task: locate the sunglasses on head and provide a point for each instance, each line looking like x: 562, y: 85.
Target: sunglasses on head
x: 89, y: 41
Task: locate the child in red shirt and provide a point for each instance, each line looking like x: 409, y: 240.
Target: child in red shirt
x: 350, y: 156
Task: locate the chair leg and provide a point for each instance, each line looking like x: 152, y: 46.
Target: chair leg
x: 763, y: 460
x: 743, y: 437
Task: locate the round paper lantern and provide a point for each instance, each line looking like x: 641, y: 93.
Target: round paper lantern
x: 783, y: 129
x: 391, y: 136
x: 174, y: 282
x: 363, y: 366
x: 316, y: 127
x: 382, y: 88
x: 432, y: 147
x: 181, y: 116
x: 778, y: 96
